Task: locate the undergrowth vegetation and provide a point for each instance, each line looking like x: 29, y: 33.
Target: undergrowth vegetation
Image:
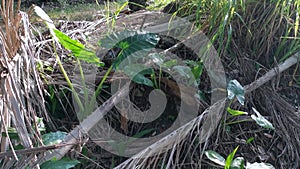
x: 59, y: 69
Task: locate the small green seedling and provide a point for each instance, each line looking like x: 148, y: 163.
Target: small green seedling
x: 236, y: 90
x: 235, y: 163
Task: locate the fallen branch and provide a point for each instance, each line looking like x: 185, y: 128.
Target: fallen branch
x: 32, y: 150
x: 273, y: 72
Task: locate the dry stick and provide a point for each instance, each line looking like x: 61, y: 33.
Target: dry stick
x: 171, y: 138
x: 273, y: 72
x: 31, y: 150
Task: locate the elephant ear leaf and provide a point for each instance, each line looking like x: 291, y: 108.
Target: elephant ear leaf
x: 235, y: 89
x: 78, y: 49
x: 261, y: 120
x: 215, y: 157
x: 129, y: 42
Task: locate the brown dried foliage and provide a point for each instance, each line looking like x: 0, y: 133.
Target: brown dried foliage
x: 21, y: 95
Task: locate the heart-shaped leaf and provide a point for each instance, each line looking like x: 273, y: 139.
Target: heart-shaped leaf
x: 129, y: 42
x: 78, y: 49
x: 261, y: 121
x: 215, y: 157
x: 235, y: 89
x: 259, y: 165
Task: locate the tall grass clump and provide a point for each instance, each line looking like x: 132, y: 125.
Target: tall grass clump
x: 267, y: 28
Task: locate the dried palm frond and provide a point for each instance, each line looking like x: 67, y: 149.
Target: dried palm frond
x: 21, y: 94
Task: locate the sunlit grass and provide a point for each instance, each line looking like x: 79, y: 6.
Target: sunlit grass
x: 77, y: 12
x: 159, y: 4
x: 82, y: 12
x: 219, y: 19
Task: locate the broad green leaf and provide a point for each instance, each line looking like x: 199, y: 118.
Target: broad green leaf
x: 75, y: 46
x: 235, y: 112
x: 261, y: 121
x: 259, y: 166
x: 111, y: 40
x: 215, y: 157
x: 137, y: 73
x: 230, y: 158
x: 238, y: 163
x: 235, y: 89
x: 129, y: 42
x: 53, y: 137
x: 127, y: 38
x: 64, y: 163
x: 78, y: 49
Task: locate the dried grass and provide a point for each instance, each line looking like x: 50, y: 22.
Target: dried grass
x: 21, y: 93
